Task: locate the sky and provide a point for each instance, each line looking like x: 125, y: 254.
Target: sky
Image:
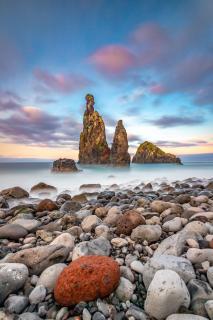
x: 149, y: 63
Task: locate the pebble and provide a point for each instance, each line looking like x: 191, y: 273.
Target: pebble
x: 137, y: 266
x: 209, y: 308
x: 16, y: 304
x: 124, y: 290
x: 50, y: 275
x: 38, y: 294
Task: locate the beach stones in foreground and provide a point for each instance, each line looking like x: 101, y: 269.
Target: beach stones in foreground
x: 12, y: 232
x: 166, y: 294
x: 12, y: 278
x: 47, y: 204
x: 129, y: 221
x: 86, y: 279
x: 15, y: 192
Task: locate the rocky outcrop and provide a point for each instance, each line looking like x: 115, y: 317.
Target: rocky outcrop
x: 119, y: 152
x: 93, y: 147
x: 64, y: 165
x: 147, y: 152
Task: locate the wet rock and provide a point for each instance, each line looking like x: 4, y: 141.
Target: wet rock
x: 80, y: 198
x: 200, y: 293
x: 41, y: 186
x: 12, y: 232
x: 150, y: 233
x: 97, y: 247
x: 112, y: 216
x: 183, y: 198
x: 47, y: 205
x: 64, y: 165
x: 129, y: 221
x: 12, y: 278
x: 76, y: 282
x: 39, y: 258
x: 3, y: 203
x: 70, y: 207
x: 15, y: 192
x: 124, y: 290
x: 50, y: 275
x: 182, y: 266
x: 166, y: 294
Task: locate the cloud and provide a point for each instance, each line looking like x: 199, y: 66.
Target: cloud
x: 9, y: 101
x: 113, y: 60
x: 178, y: 144
x: 175, y: 121
x: 59, y: 83
x: 135, y: 95
x: 32, y: 126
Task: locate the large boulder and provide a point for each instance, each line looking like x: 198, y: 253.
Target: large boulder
x: 64, y: 165
x: 147, y: 152
x: 119, y: 155
x: 15, y: 192
x: 87, y: 279
x: 166, y: 294
x: 93, y: 147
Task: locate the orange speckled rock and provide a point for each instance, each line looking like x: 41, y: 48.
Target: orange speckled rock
x: 87, y: 279
x: 46, y: 204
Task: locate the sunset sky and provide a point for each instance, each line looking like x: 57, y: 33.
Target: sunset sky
x: 147, y: 62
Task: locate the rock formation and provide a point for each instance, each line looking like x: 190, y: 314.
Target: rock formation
x: 93, y: 147
x: 119, y: 151
x: 147, y: 152
x: 64, y: 165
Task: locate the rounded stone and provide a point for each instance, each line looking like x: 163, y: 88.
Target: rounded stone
x: 210, y: 276
x: 37, y: 295
x: 50, y: 275
x: 47, y: 205
x: 89, y: 223
x: 125, y: 290
x: 87, y: 279
x: 12, y: 232
x: 166, y: 294
x: 185, y: 316
x: 151, y: 233
x: 64, y: 239
x: 16, y: 304
x: 129, y: 221
x: 173, y: 225
x: 12, y: 278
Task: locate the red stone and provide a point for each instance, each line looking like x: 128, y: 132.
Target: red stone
x: 129, y: 221
x: 87, y: 279
x: 46, y: 205
x: 211, y: 244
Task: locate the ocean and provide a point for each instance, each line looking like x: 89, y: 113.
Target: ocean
x: 27, y: 174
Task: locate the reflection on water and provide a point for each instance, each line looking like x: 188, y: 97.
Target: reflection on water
x: 26, y: 174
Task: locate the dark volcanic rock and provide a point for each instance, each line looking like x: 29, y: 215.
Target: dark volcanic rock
x: 64, y: 165
x: 119, y: 152
x: 93, y: 147
x: 147, y: 152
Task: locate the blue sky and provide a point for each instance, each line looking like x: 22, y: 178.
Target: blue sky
x: 149, y: 63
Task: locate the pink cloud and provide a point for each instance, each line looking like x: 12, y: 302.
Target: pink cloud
x: 113, y: 60
x: 158, y: 89
x: 61, y: 83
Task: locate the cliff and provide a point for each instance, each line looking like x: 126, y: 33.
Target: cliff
x: 93, y: 147
x: 147, y: 152
x: 119, y: 155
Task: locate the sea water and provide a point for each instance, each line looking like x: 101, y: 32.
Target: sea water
x: 27, y: 174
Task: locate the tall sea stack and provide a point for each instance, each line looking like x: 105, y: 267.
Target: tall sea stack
x: 93, y: 147
x: 119, y: 155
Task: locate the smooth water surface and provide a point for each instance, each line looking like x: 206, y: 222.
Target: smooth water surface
x: 27, y: 174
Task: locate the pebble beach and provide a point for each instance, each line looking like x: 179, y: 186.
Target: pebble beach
x: 142, y: 253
